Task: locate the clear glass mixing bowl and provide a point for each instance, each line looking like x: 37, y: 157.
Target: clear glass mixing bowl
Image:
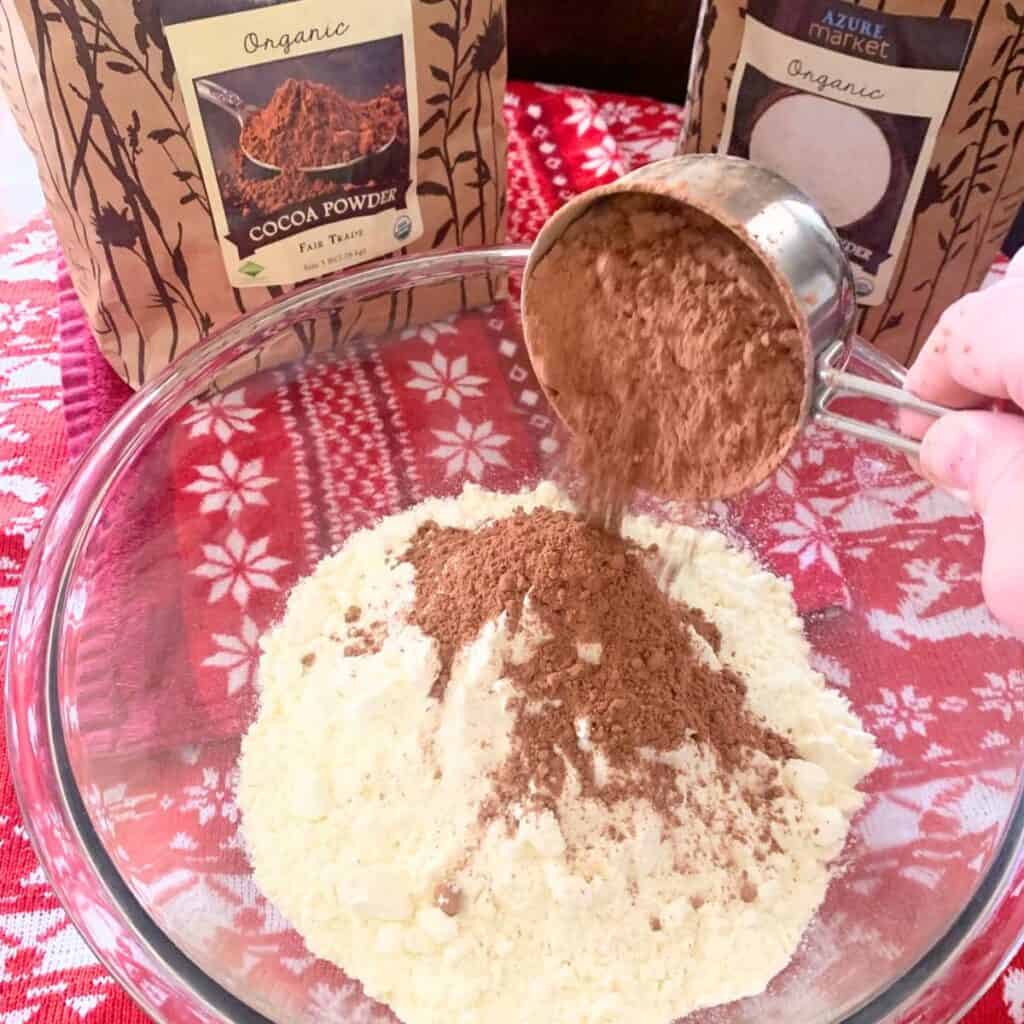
x: 176, y: 539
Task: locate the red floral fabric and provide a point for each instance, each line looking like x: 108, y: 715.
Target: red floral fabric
x: 561, y: 141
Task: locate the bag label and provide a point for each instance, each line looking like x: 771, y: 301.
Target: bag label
x: 847, y: 103
x: 301, y: 112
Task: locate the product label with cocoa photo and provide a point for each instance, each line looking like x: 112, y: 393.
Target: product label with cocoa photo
x: 301, y: 112
x: 847, y: 103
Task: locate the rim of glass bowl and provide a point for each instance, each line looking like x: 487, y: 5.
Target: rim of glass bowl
x: 161, y: 979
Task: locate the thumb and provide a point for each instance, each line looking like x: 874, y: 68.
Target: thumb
x: 982, y: 454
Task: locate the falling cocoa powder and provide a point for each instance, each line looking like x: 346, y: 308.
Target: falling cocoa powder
x: 665, y: 345
x: 650, y: 690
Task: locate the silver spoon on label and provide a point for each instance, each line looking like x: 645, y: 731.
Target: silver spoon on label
x: 233, y: 104
x: 803, y: 254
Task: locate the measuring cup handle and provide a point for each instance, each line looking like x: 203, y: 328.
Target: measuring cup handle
x: 883, y: 381
x: 868, y: 358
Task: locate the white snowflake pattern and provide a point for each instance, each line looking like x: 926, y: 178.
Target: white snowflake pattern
x: 239, y: 655
x: 618, y: 112
x: 184, y: 842
x: 231, y: 485
x: 432, y: 331
x: 1004, y: 694
x: 903, y: 712
x: 993, y: 739
x: 212, y: 798
x: 470, y: 448
x: 223, y: 416
x: 12, y: 433
x: 25, y: 488
x: 1013, y: 994
x: 344, y: 1001
x: 807, y: 538
x: 328, y: 1002
x: 32, y: 258
x: 585, y: 115
x: 446, y: 379
x: 604, y: 158
x: 238, y: 567
x: 831, y: 668
x: 14, y: 318
x: 782, y: 480
x: 924, y: 583
x: 644, y: 149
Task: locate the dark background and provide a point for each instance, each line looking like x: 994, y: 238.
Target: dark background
x: 642, y: 46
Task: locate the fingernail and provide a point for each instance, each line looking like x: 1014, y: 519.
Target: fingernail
x: 949, y: 458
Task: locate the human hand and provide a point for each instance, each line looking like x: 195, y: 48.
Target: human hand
x: 976, y: 355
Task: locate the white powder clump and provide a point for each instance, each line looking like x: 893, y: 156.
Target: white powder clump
x: 814, y: 142
x: 361, y: 796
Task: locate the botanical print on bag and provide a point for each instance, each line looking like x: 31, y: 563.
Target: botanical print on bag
x: 94, y: 84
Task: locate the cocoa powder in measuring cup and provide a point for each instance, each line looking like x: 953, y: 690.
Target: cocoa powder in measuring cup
x: 666, y: 346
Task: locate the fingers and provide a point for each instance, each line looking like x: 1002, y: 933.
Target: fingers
x: 974, y: 354
x: 982, y: 453
x: 985, y: 343
x: 931, y: 377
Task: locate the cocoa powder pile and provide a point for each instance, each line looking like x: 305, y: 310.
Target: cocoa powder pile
x: 665, y: 345
x: 648, y: 689
x: 309, y: 125
x: 247, y: 196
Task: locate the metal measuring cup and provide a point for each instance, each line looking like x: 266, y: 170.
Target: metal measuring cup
x: 803, y: 255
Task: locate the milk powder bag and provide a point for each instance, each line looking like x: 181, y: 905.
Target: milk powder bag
x: 902, y: 120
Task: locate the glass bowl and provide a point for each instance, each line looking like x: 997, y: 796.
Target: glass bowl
x: 177, y: 537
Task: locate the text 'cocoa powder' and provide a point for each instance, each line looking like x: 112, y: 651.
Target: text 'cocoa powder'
x: 665, y: 345
x: 616, y: 653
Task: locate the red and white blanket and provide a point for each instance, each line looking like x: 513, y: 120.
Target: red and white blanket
x: 917, y: 612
